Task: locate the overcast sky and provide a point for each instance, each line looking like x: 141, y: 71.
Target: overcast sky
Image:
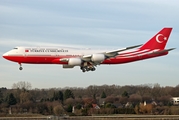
x: 88, y: 23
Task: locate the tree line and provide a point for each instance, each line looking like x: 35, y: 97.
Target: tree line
x: 111, y: 99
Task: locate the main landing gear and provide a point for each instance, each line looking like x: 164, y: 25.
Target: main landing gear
x: 87, y: 67
x: 20, y: 68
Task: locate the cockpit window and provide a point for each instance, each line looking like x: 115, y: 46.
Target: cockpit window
x: 15, y: 48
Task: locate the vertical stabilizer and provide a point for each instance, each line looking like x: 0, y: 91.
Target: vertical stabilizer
x: 158, y: 41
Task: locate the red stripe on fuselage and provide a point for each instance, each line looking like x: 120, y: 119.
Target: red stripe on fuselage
x: 56, y: 59
x: 36, y: 59
x: 121, y: 60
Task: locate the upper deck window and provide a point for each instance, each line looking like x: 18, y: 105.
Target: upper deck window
x: 15, y: 48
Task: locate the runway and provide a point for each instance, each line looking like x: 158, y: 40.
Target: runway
x: 128, y: 117
x: 95, y: 117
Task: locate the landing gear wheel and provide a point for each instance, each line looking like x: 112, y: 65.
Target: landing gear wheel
x: 20, y: 68
x: 83, y: 70
x: 87, y: 67
x: 93, y: 69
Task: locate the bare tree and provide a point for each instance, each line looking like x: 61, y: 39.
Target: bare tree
x: 135, y: 98
x: 93, y: 91
x: 110, y: 99
x: 25, y: 97
x: 70, y: 101
x: 22, y: 85
x: 58, y: 110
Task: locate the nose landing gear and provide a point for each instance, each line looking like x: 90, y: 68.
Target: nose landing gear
x: 20, y: 68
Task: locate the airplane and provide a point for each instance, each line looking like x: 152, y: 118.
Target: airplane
x: 88, y: 59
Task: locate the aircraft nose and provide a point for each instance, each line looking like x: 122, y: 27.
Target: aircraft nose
x: 5, y: 55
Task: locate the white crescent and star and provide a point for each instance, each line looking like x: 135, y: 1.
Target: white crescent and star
x: 160, y: 41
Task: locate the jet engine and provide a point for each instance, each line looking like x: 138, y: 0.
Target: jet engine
x: 98, y: 57
x: 74, y: 62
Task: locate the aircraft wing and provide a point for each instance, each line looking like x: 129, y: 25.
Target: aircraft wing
x: 107, y: 55
x: 113, y: 53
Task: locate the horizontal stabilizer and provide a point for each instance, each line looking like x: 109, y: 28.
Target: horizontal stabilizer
x: 162, y: 51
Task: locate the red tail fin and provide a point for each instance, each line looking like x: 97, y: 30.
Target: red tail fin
x: 159, y: 40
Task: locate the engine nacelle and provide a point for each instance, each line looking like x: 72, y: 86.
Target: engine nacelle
x: 98, y: 57
x: 74, y: 62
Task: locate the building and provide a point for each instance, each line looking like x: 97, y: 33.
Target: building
x: 95, y: 106
x: 175, y: 100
